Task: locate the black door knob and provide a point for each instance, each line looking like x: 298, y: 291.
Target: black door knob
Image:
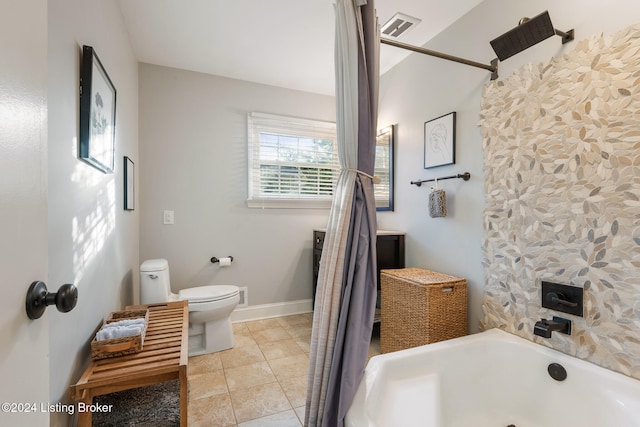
x: 38, y: 298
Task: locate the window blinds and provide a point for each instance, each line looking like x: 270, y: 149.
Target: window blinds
x: 291, y: 158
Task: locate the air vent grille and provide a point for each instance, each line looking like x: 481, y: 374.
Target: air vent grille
x: 244, y: 296
x: 398, y: 25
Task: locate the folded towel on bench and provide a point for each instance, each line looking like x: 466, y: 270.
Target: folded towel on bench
x: 120, y: 329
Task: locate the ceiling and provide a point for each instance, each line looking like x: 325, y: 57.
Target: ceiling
x: 286, y: 43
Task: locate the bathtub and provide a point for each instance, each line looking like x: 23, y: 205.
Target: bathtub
x: 491, y: 379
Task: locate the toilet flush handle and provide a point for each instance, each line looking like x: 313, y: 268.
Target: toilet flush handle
x: 153, y: 276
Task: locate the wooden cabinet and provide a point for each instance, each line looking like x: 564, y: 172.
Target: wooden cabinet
x: 390, y: 253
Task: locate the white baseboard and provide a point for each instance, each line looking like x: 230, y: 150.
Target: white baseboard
x: 266, y: 311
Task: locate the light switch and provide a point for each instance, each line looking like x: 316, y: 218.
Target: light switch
x: 168, y: 217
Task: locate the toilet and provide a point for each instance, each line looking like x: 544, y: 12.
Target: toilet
x: 210, y: 307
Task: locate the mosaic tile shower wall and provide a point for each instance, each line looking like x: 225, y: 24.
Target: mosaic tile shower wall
x: 562, y: 188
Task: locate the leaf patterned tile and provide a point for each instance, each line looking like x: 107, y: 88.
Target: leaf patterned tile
x: 562, y: 179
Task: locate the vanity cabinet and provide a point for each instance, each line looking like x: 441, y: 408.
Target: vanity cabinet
x: 390, y: 254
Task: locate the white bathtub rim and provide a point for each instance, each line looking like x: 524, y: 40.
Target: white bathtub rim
x: 491, y: 334
x: 359, y: 414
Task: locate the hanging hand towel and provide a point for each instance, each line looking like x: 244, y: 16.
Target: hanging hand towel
x: 437, y: 203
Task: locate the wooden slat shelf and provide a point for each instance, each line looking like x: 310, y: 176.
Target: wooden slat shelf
x: 163, y: 357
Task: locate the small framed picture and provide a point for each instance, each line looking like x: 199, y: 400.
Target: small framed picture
x: 97, y: 113
x: 129, y: 184
x: 440, y: 141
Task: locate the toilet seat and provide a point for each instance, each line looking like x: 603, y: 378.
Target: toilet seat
x: 204, y: 294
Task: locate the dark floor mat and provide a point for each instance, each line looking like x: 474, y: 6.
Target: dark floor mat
x: 156, y: 405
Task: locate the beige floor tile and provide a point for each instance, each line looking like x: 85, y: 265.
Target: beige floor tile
x: 278, y: 349
x: 305, y: 345
x: 281, y: 419
x: 258, y: 325
x: 288, y: 367
x: 300, y: 331
x: 240, y: 328
x: 205, y: 363
x: 270, y: 335
x: 255, y: 398
x: 212, y: 411
x: 300, y: 413
x: 249, y: 375
x: 208, y: 384
x: 295, y: 320
x: 239, y: 356
x: 295, y: 389
x: 258, y: 401
x: 243, y: 339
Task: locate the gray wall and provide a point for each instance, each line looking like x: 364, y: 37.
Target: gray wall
x: 421, y: 88
x: 93, y: 242
x: 193, y: 160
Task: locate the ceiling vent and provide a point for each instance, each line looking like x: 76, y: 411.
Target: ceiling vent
x: 398, y: 25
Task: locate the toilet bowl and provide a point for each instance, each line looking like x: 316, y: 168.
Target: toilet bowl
x: 210, y: 307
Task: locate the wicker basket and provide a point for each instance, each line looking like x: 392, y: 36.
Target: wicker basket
x: 420, y: 307
x: 120, y: 346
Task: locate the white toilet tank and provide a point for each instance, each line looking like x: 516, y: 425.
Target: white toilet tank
x: 154, y: 282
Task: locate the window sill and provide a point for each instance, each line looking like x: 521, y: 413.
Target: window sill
x: 288, y: 204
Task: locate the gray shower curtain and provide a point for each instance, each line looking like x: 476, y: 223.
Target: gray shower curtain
x: 346, y: 295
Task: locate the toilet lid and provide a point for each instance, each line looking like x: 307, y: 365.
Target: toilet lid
x: 154, y: 265
x: 208, y: 293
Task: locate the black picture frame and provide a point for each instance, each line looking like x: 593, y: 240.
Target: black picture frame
x: 129, y: 184
x: 440, y: 141
x: 97, y: 131
x: 385, y: 142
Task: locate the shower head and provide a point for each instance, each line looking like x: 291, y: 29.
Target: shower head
x: 528, y: 33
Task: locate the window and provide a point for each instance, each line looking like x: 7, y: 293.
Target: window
x: 292, y: 162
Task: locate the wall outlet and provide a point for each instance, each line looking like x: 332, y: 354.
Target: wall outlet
x: 168, y: 217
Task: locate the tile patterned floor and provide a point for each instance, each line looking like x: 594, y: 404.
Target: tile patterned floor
x: 261, y: 382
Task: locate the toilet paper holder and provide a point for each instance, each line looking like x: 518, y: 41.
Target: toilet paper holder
x: 214, y: 259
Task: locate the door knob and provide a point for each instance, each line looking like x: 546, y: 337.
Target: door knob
x: 38, y: 298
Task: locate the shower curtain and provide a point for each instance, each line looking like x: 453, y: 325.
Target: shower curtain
x: 346, y: 291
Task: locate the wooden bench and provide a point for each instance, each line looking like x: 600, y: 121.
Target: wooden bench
x: 164, y: 357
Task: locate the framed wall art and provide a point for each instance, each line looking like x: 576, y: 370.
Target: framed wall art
x: 440, y: 141
x: 129, y: 184
x: 97, y: 113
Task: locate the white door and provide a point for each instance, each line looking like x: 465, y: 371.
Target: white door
x: 24, y: 343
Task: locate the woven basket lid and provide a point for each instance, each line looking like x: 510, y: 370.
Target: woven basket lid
x: 422, y: 276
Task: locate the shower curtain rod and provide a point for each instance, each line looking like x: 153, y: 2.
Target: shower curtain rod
x: 493, y: 67
x: 464, y: 176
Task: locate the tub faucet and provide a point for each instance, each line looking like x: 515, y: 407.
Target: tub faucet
x: 545, y: 327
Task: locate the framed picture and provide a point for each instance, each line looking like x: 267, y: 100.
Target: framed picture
x: 440, y: 141
x: 129, y: 184
x: 97, y: 113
